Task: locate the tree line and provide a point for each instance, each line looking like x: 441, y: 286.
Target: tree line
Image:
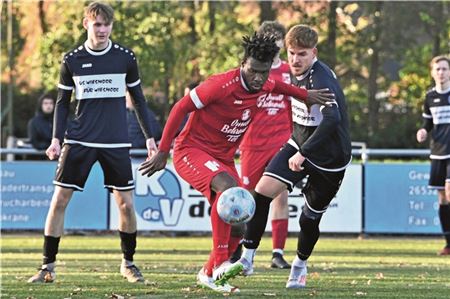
x: 379, y: 50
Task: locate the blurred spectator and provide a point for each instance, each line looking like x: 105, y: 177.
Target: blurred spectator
x: 135, y: 134
x: 41, y: 125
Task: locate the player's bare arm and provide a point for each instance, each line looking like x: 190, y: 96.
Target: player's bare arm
x: 154, y: 164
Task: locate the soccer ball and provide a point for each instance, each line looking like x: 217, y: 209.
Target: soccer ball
x: 236, y: 205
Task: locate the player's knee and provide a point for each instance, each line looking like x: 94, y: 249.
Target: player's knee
x: 309, y: 220
x: 126, y: 208
x: 238, y: 230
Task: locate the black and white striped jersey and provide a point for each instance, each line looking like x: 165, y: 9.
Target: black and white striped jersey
x: 321, y: 133
x: 100, y: 80
x: 436, y: 115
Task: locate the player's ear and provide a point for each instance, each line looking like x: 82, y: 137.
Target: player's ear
x: 85, y: 23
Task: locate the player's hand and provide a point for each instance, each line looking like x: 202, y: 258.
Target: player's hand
x: 421, y: 135
x: 320, y: 96
x: 155, y: 163
x: 296, y: 161
x: 151, y: 147
x: 54, y: 150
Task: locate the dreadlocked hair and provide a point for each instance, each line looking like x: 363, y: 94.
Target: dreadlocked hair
x: 260, y: 47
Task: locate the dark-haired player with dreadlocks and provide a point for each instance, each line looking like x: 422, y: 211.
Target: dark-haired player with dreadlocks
x: 221, y: 109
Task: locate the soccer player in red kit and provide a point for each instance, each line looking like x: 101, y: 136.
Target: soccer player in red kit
x: 268, y: 132
x: 221, y: 109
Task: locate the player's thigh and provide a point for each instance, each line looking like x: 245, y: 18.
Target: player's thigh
x: 321, y: 187
x: 253, y: 164
x: 279, y: 170
x: 198, y: 168
x: 116, y: 165
x: 74, y: 165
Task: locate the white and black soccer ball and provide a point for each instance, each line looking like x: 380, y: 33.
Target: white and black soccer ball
x: 236, y: 205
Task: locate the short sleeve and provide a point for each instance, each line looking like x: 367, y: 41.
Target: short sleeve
x: 206, y: 93
x: 132, y: 78
x: 65, y: 76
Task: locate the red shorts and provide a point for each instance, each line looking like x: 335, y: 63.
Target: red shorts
x: 253, y: 164
x: 198, y: 168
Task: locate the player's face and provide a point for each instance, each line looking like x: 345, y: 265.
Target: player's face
x: 255, y: 73
x: 300, y: 59
x: 441, y: 72
x: 98, y: 31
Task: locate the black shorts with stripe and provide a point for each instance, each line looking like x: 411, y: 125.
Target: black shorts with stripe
x: 76, y: 161
x: 321, y: 186
x: 439, y: 173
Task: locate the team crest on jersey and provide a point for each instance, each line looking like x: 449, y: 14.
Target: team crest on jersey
x: 245, y: 115
x: 286, y: 78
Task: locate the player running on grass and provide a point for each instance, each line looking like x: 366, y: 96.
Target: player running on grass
x: 221, y: 110
x: 99, y: 71
x: 267, y: 133
x: 319, y: 148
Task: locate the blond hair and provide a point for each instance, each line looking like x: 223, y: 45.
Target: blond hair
x: 437, y: 59
x: 301, y: 36
x: 97, y: 8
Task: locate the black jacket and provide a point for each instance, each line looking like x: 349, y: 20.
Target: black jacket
x: 40, y: 128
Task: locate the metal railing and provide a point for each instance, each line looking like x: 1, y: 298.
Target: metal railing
x: 363, y: 152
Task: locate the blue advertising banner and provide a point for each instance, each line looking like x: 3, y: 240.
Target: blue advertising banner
x: 26, y: 192
x: 398, y: 200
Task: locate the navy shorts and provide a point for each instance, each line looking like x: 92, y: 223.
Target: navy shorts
x: 439, y: 173
x: 76, y: 161
x: 321, y: 186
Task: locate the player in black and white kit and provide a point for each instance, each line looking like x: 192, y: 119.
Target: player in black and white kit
x: 319, y: 148
x: 99, y: 71
x: 436, y: 115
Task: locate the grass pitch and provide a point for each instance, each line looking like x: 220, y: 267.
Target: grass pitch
x: 340, y: 267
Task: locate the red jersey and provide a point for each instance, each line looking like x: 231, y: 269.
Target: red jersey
x: 221, y: 110
x: 272, y: 126
x: 225, y: 109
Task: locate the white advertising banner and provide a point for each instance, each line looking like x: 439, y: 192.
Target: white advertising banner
x: 165, y: 202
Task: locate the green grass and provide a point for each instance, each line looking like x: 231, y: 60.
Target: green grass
x: 341, y: 267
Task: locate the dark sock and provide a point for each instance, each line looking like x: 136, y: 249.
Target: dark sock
x: 256, y: 226
x: 128, y: 245
x: 50, y: 250
x: 444, y: 216
x: 308, y: 236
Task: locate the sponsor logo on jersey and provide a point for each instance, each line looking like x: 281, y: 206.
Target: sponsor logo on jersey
x: 237, y: 127
x: 436, y: 100
x: 86, y: 65
x: 272, y: 103
x: 246, y: 115
x: 237, y: 102
x: 99, y: 86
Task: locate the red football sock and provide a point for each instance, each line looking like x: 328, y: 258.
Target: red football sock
x: 221, y: 235
x: 279, y: 233
x: 209, y: 265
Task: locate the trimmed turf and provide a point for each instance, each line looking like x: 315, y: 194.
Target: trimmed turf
x: 349, y: 267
